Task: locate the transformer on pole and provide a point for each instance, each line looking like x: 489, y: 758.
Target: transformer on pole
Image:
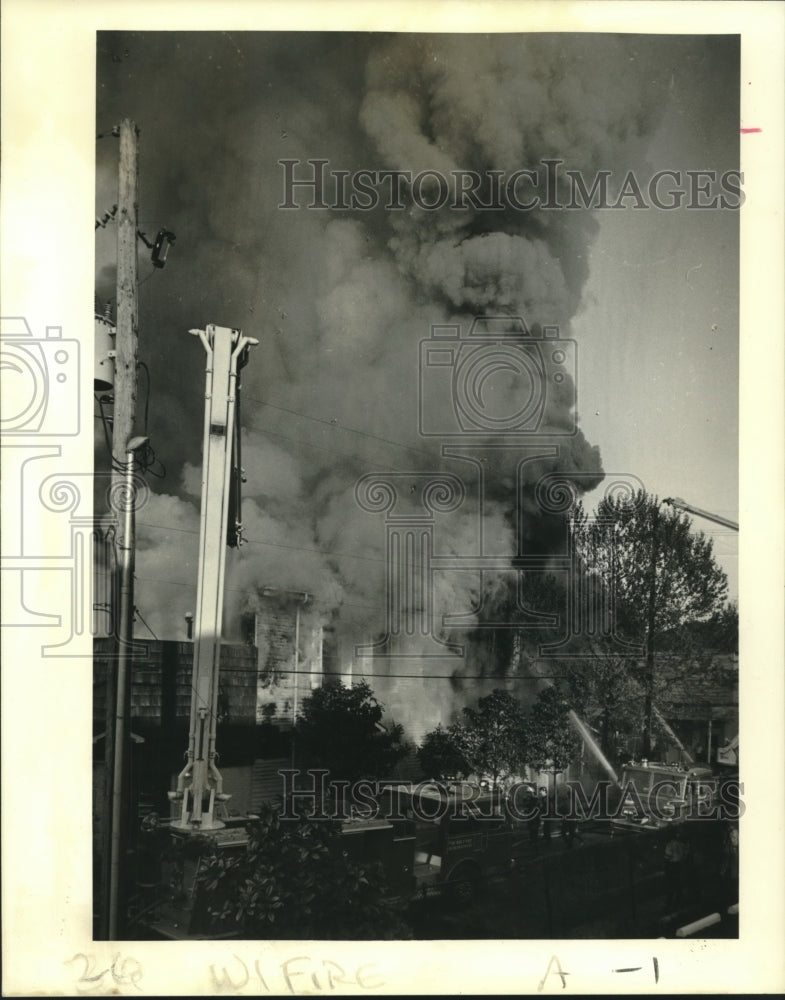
x: 199, y: 784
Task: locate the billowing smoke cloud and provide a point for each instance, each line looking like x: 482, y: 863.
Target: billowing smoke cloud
x: 340, y: 300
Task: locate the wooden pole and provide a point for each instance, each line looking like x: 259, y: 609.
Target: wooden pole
x: 122, y: 430
x: 126, y: 340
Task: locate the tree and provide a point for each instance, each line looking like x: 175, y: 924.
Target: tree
x: 605, y: 695
x: 440, y: 757
x: 492, y: 737
x: 661, y: 577
x: 295, y: 881
x: 724, y: 629
x: 552, y: 742
x: 340, y: 729
x: 720, y: 633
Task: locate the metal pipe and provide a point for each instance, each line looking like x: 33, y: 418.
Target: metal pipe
x: 698, y: 925
x: 126, y: 548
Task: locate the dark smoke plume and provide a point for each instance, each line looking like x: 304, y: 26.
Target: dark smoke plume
x: 340, y: 300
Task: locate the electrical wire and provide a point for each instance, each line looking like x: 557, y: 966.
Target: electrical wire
x: 413, y: 677
x: 140, y: 283
x: 107, y: 435
x: 320, y: 448
x: 147, y: 461
x: 252, y: 593
x: 338, y: 426
x: 369, y: 607
x: 277, y: 545
x: 139, y: 615
x: 193, y: 689
x: 382, y: 469
x: 145, y: 457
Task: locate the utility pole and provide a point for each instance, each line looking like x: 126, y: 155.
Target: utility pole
x: 122, y: 429
x: 127, y: 308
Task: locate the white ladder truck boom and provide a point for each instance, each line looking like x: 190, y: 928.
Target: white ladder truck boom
x: 728, y: 754
x: 199, y: 784
x: 681, y: 505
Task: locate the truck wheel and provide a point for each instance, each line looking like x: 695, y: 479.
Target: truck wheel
x: 465, y: 884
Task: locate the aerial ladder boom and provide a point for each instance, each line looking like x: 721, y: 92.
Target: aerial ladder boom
x: 728, y: 754
x: 681, y: 505
x: 199, y: 784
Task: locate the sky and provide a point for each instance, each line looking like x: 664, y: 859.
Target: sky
x: 340, y: 300
x: 658, y: 327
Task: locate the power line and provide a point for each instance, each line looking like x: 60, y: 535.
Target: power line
x: 255, y: 594
x: 362, y: 674
x: 389, y: 676
x: 338, y: 426
x: 247, y: 425
x: 139, y: 615
x: 277, y: 545
x: 104, y: 421
x: 321, y: 448
x: 250, y: 593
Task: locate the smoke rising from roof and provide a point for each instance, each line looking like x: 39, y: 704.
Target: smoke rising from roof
x: 341, y: 300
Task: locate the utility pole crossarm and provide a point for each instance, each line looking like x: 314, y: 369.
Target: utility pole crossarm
x: 681, y: 505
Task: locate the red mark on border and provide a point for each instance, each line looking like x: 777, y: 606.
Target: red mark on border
x: 745, y: 131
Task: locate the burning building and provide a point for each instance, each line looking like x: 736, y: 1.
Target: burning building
x: 365, y: 310
x: 288, y: 638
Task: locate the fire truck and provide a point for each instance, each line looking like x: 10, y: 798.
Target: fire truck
x: 668, y: 793
x: 656, y: 795
x: 437, y: 839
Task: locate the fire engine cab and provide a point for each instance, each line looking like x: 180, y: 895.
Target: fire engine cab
x: 436, y: 839
x: 655, y: 795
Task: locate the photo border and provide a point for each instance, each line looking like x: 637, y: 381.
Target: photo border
x: 48, y: 123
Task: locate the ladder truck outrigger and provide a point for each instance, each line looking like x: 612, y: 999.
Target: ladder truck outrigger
x: 199, y: 785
